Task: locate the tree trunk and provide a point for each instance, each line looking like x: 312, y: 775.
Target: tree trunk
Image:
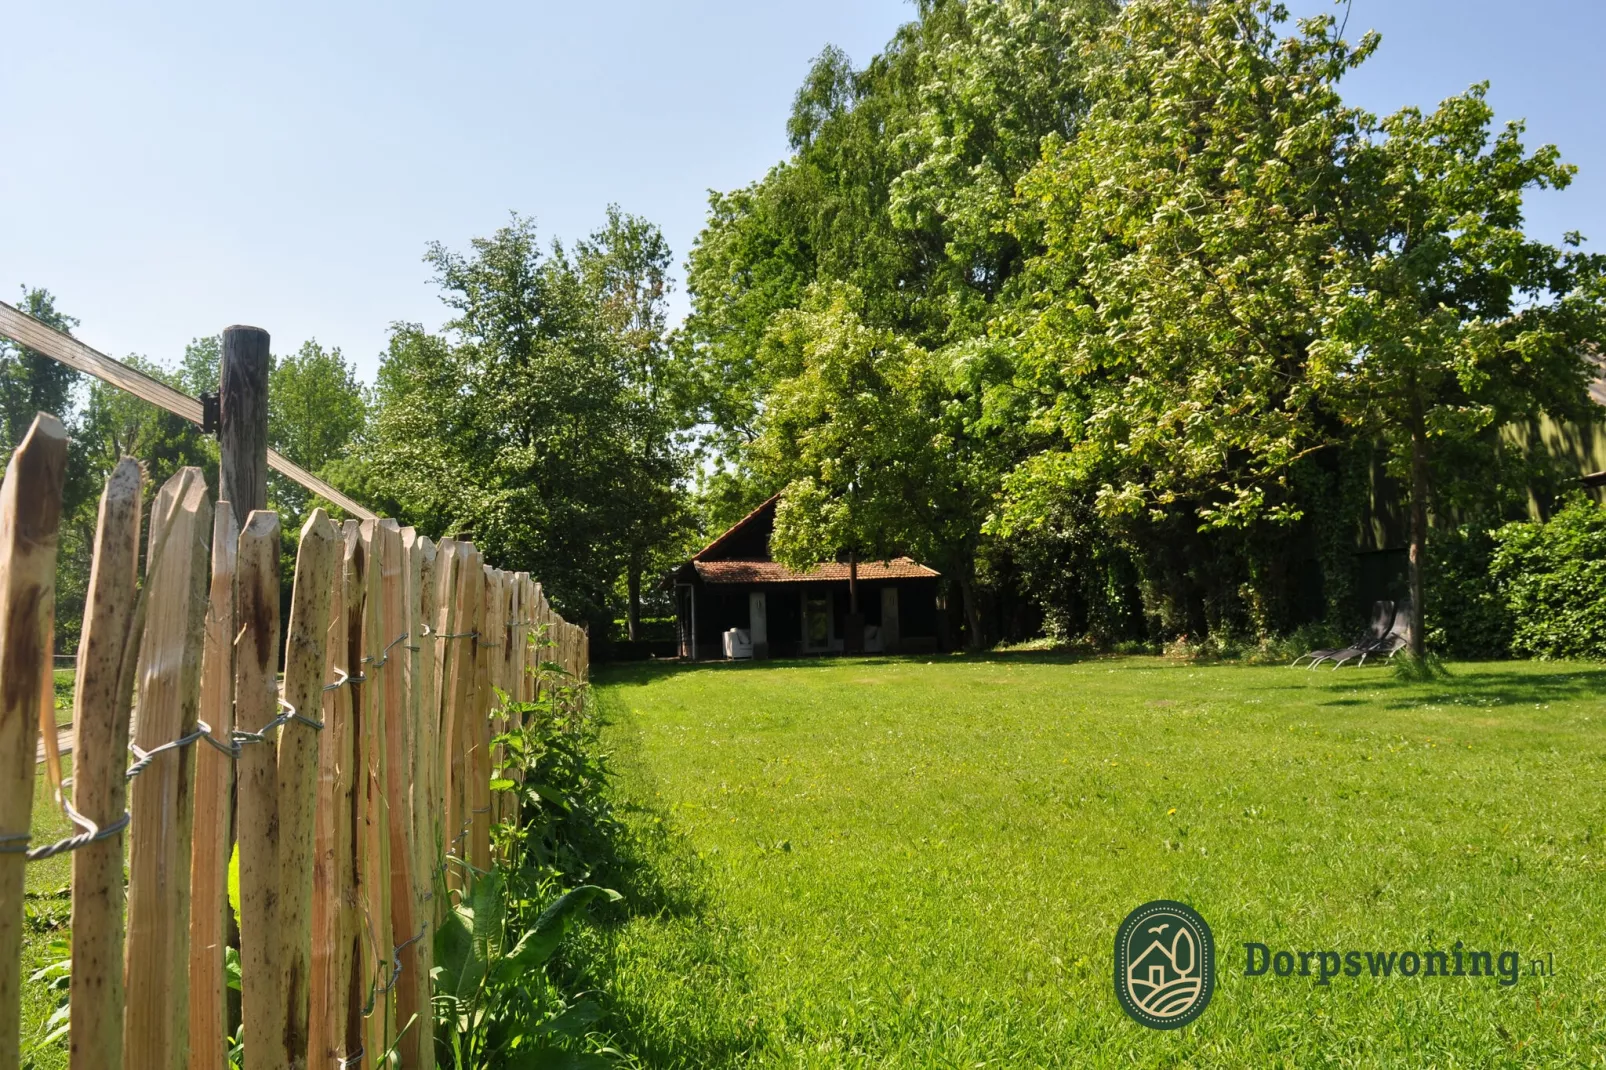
x: 853, y: 583
x: 1419, y: 525
x: 633, y: 614
x: 967, y: 593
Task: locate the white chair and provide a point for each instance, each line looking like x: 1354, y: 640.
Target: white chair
x: 738, y: 643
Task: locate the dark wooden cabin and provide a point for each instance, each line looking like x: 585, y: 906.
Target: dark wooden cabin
x: 733, y: 583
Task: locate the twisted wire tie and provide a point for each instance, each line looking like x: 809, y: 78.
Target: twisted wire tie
x: 143, y: 758
x: 345, y: 678
x: 243, y: 738
x: 17, y: 843
x: 384, y: 655
x: 350, y: 1061
x: 376, y: 990
x: 395, y: 959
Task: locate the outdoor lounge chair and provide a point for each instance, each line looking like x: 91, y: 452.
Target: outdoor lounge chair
x: 1392, y: 643
x: 1382, y: 617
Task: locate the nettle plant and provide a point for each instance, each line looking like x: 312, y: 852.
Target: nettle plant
x: 495, y: 1004
x: 496, y: 1000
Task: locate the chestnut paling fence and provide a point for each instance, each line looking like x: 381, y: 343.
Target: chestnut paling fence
x: 362, y: 776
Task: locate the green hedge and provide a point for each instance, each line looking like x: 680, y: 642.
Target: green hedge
x: 1552, y: 578
x: 1467, y: 615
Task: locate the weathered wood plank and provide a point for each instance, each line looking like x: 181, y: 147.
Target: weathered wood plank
x: 421, y: 691
x: 332, y: 878
x: 470, y: 595
x: 214, y: 783
x: 398, y: 720
x: 73, y: 353
x: 375, y: 858
x: 156, y: 956
x: 317, y: 560
x: 102, y: 699
x: 256, y: 703
x: 484, y: 699
x: 30, y: 519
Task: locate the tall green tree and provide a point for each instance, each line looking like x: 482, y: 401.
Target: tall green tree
x: 1444, y: 319
x: 199, y: 370
x: 1165, y: 327
x: 1243, y: 278
x: 873, y: 443
x: 517, y: 424
x: 625, y: 268
x: 317, y: 409
x: 900, y: 183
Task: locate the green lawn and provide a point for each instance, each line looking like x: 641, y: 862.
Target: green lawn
x: 49, y: 901
x: 922, y: 863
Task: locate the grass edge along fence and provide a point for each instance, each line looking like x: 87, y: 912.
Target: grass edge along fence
x: 364, y: 779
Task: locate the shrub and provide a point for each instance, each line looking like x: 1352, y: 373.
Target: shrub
x: 1467, y: 614
x: 1552, y: 578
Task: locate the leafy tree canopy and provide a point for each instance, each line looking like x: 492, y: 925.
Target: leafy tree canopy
x: 531, y: 424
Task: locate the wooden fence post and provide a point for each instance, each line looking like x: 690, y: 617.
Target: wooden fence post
x: 335, y: 1023
x: 374, y: 860
x: 445, y: 624
x: 328, y: 984
x: 479, y: 767
x: 513, y: 677
x: 214, y: 782
x: 156, y: 957
x: 426, y: 728
x: 30, y: 518
x: 399, y: 718
x: 255, y: 704
x: 102, y: 698
x: 498, y: 630
x: 420, y: 666
x: 243, y: 419
x: 460, y: 722
x: 317, y: 559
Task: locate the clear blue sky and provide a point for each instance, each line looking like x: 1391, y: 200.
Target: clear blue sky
x: 187, y: 166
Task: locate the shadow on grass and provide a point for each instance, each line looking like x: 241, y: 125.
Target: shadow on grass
x: 1505, y: 688
x: 663, y: 882
x: 637, y: 673
x: 1473, y: 686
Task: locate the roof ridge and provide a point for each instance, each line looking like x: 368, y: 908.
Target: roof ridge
x: 734, y: 528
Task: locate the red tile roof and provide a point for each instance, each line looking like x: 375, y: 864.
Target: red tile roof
x: 899, y: 568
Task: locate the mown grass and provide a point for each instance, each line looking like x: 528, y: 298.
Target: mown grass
x: 49, y: 900
x: 46, y: 915
x: 922, y: 863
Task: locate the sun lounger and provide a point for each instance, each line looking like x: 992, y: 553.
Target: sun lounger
x: 1385, y: 648
x: 1382, y: 617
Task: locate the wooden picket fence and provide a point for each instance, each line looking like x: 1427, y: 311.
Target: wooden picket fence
x: 363, y: 778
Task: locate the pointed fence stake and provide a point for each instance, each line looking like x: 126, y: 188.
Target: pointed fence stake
x: 317, y: 561
x: 256, y: 703
x: 156, y: 957
x: 214, y: 781
x: 30, y: 518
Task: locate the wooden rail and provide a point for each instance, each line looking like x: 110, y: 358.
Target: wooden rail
x: 21, y: 327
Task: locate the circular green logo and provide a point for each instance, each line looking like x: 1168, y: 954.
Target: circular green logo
x: 1165, y: 964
